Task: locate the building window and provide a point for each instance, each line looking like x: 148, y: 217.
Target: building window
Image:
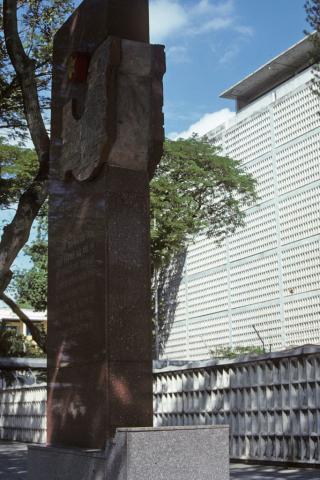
x: 12, y: 327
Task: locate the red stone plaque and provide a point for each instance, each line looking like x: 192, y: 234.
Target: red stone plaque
x: 77, y: 67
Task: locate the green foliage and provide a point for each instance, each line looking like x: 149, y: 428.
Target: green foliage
x: 18, y: 166
x: 313, y: 18
x: 31, y: 285
x: 13, y: 344
x: 35, y: 350
x: 195, y: 189
x: 235, y: 352
x: 38, y: 22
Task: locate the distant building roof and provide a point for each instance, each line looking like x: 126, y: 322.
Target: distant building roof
x: 7, y: 314
x: 272, y: 74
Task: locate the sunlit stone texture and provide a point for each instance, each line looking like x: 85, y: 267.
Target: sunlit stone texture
x: 106, y: 140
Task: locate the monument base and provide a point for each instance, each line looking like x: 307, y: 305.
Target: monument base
x: 173, y: 453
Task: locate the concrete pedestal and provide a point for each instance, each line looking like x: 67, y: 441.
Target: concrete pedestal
x: 170, y: 453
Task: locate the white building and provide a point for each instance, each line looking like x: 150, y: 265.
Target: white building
x: 11, y: 320
x: 268, y: 273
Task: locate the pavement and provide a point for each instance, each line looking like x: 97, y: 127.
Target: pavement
x: 240, y: 471
x: 13, y: 466
x: 13, y: 460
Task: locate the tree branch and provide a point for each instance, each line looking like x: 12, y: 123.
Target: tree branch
x: 11, y: 86
x: 34, y: 330
x: 16, y: 234
x: 25, y: 70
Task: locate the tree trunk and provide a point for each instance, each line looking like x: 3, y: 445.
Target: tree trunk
x: 34, y: 330
x: 16, y: 234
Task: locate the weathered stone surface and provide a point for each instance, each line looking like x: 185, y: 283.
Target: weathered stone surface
x: 84, y: 138
x: 124, y: 86
x: 140, y: 83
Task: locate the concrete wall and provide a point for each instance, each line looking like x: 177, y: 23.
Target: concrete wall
x: 23, y: 414
x: 23, y: 399
x: 271, y: 404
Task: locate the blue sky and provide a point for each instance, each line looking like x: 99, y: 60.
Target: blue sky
x: 210, y: 46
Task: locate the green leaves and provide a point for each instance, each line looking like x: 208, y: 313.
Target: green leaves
x: 38, y: 20
x: 13, y: 344
x: 31, y: 285
x: 18, y: 166
x: 235, y: 352
x: 195, y: 189
x: 313, y: 18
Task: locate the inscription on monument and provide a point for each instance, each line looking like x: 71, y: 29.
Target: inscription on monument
x: 75, y: 284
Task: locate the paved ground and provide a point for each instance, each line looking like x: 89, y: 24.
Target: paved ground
x: 261, y: 472
x: 13, y: 460
x: 13, y: 466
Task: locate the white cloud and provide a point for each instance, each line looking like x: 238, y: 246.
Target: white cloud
x: 178, y: 54
x: 215, y: 24
x: 205, y: 7
x: 169, y: 17
x: 246, y: 31
x: 173, y: 135
x: 230, y: 53
x: 205, y: 124
x: 166, y: 17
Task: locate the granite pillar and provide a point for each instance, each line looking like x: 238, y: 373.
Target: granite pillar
x: 99, y: 349
x: 106, y: 140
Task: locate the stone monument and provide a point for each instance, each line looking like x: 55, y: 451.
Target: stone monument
x: 106, y: 141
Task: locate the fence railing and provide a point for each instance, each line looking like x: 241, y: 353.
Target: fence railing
x: 23, y: 414
x: 271, y: 404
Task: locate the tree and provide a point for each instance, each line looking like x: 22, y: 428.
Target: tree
x: 313, y: 18
x: 31, y: 284
x: 195, y: 189
x: 26, y: 40
x: 27, y: 28
x: 18, y: 167
x: 222, y: 351
x: 13, y: 344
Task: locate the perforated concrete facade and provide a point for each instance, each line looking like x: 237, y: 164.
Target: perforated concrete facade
x: 268, y: 273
